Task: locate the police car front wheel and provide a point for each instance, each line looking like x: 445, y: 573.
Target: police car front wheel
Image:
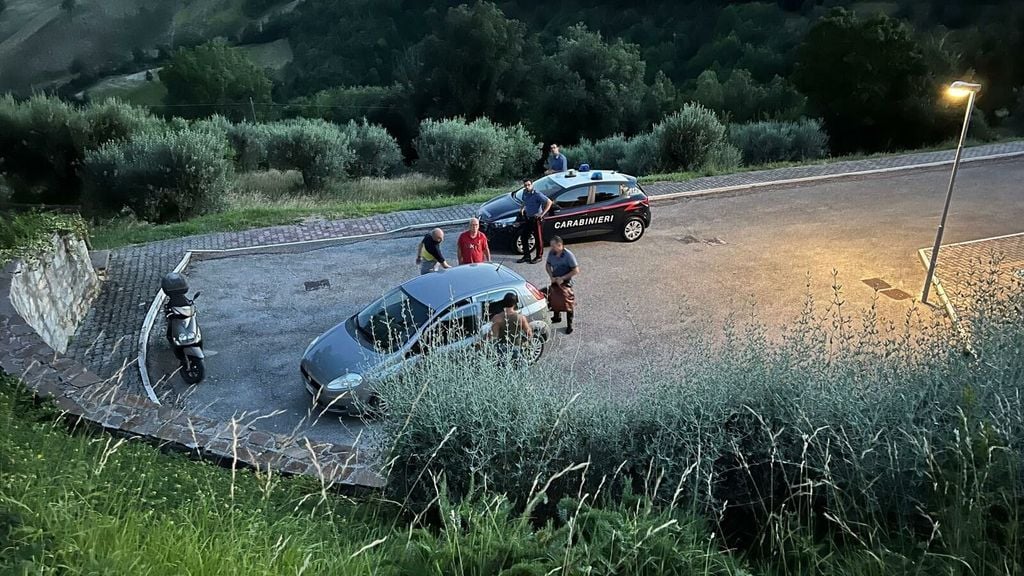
x: 517, y: 244
x: 633, y: 229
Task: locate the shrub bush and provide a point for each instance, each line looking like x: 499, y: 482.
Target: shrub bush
x: 250, y: 144
x: 321, y: 151
x: 43, y: 141
x: 375, y: 152
x: 521, y: 151
x: 159, y: 176
x: 687, y: 138
x: 605, y: 154
x: 641, y: 155
x: 764, y: 142
x: 468, y: 155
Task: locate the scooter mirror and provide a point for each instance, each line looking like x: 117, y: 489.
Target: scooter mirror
x: 196, y: 295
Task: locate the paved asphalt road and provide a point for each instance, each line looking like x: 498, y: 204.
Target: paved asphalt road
x: 635, y: 300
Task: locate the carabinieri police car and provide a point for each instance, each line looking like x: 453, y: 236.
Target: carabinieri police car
x: 585, y: 202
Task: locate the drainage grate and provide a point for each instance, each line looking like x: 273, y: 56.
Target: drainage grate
x: 877, y: 283
x: 317, y: 284
x: 896, y: 294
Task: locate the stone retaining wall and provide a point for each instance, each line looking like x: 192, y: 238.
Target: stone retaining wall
x: 53, y: 293
x: 104, y: 403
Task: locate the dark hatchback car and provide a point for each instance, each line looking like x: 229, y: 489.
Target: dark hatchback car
x: 585, y: 203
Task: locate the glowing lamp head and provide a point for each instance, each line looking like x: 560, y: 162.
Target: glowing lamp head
x: 960, y: 89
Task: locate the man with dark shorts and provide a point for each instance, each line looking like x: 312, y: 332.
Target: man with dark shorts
x: 535, y: 207
x: 562, y: 268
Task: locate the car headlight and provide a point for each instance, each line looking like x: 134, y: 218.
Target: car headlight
x: 505, y: 222
x: 346, y: 382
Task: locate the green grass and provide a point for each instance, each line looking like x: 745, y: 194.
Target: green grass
x: 89, y: 503
x: 130, y: 88
x: 28, y: 234
x: 272, y: 199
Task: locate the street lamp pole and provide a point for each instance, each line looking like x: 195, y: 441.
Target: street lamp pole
x: 956, y: 90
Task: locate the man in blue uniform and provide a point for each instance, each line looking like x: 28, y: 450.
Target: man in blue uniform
x: 557, y: 162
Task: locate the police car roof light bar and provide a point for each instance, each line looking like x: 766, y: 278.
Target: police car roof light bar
x: 596, y: 176
x: 584, y: 167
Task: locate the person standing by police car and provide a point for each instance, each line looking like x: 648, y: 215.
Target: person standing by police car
x: 535, y: 207
x: 562, y: 267
x: 557, y: 162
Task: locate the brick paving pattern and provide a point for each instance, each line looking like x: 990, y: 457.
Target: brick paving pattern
x: 991, y: 265
x: 108, y: 339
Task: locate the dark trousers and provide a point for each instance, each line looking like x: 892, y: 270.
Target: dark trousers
x: 531, y: 227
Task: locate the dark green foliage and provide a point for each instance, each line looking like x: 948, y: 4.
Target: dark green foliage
x: 255, y: 8
x: 321, y: 151
x: 743, y: 99
x: 590, y: 88
x: 376, y: 153
x: 43, y: 141
x: 160, y: 176
x: 27, y: 235
x: 213, y: 78
x: 477, y: 63
x: 688, y: 139
x: 765, y: 142
x: 869, y: 81
x: 473, y: 154
x: 387, y: 106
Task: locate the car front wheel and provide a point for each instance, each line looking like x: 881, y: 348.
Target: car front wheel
x: 633, y: 229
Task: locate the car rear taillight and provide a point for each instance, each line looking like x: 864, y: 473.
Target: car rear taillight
x: 533, y: 290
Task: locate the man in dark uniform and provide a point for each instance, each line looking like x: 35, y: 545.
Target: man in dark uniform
x: 535, y: 207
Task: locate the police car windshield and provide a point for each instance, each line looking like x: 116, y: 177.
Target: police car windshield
x: 389, y: 322
x: 545, y: 186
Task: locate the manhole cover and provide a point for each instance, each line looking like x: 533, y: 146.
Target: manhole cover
x: 317, y: 284
x: 877, y: 283
x: 896, y: 294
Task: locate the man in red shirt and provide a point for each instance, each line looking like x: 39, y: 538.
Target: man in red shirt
x: 473, y: 246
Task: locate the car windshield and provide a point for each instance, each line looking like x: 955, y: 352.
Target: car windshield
x: 545, y: 186
x: 389, y: 322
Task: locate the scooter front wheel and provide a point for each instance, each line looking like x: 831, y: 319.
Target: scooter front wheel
x: 193, y: 370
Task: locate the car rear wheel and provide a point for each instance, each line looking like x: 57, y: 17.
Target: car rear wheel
x: 535, y: 349
x: 517, y: 244
x: 633, y: 229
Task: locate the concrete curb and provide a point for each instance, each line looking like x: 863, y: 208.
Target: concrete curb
x: 827, y: 177
x: 954, y: 318
x: 147, y: 327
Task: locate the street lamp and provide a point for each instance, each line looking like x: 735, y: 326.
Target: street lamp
x: 957, y: 90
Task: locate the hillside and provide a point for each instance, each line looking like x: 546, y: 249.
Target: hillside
x: 42, y: 41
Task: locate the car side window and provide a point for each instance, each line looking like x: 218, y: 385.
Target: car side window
x: 606, y: 192
x: 457, y: 325
x: 574, y: 197
x: 491, y: 304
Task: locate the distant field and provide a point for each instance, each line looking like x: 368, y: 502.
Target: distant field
x: 273, y: 55
x: 131, y: 88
